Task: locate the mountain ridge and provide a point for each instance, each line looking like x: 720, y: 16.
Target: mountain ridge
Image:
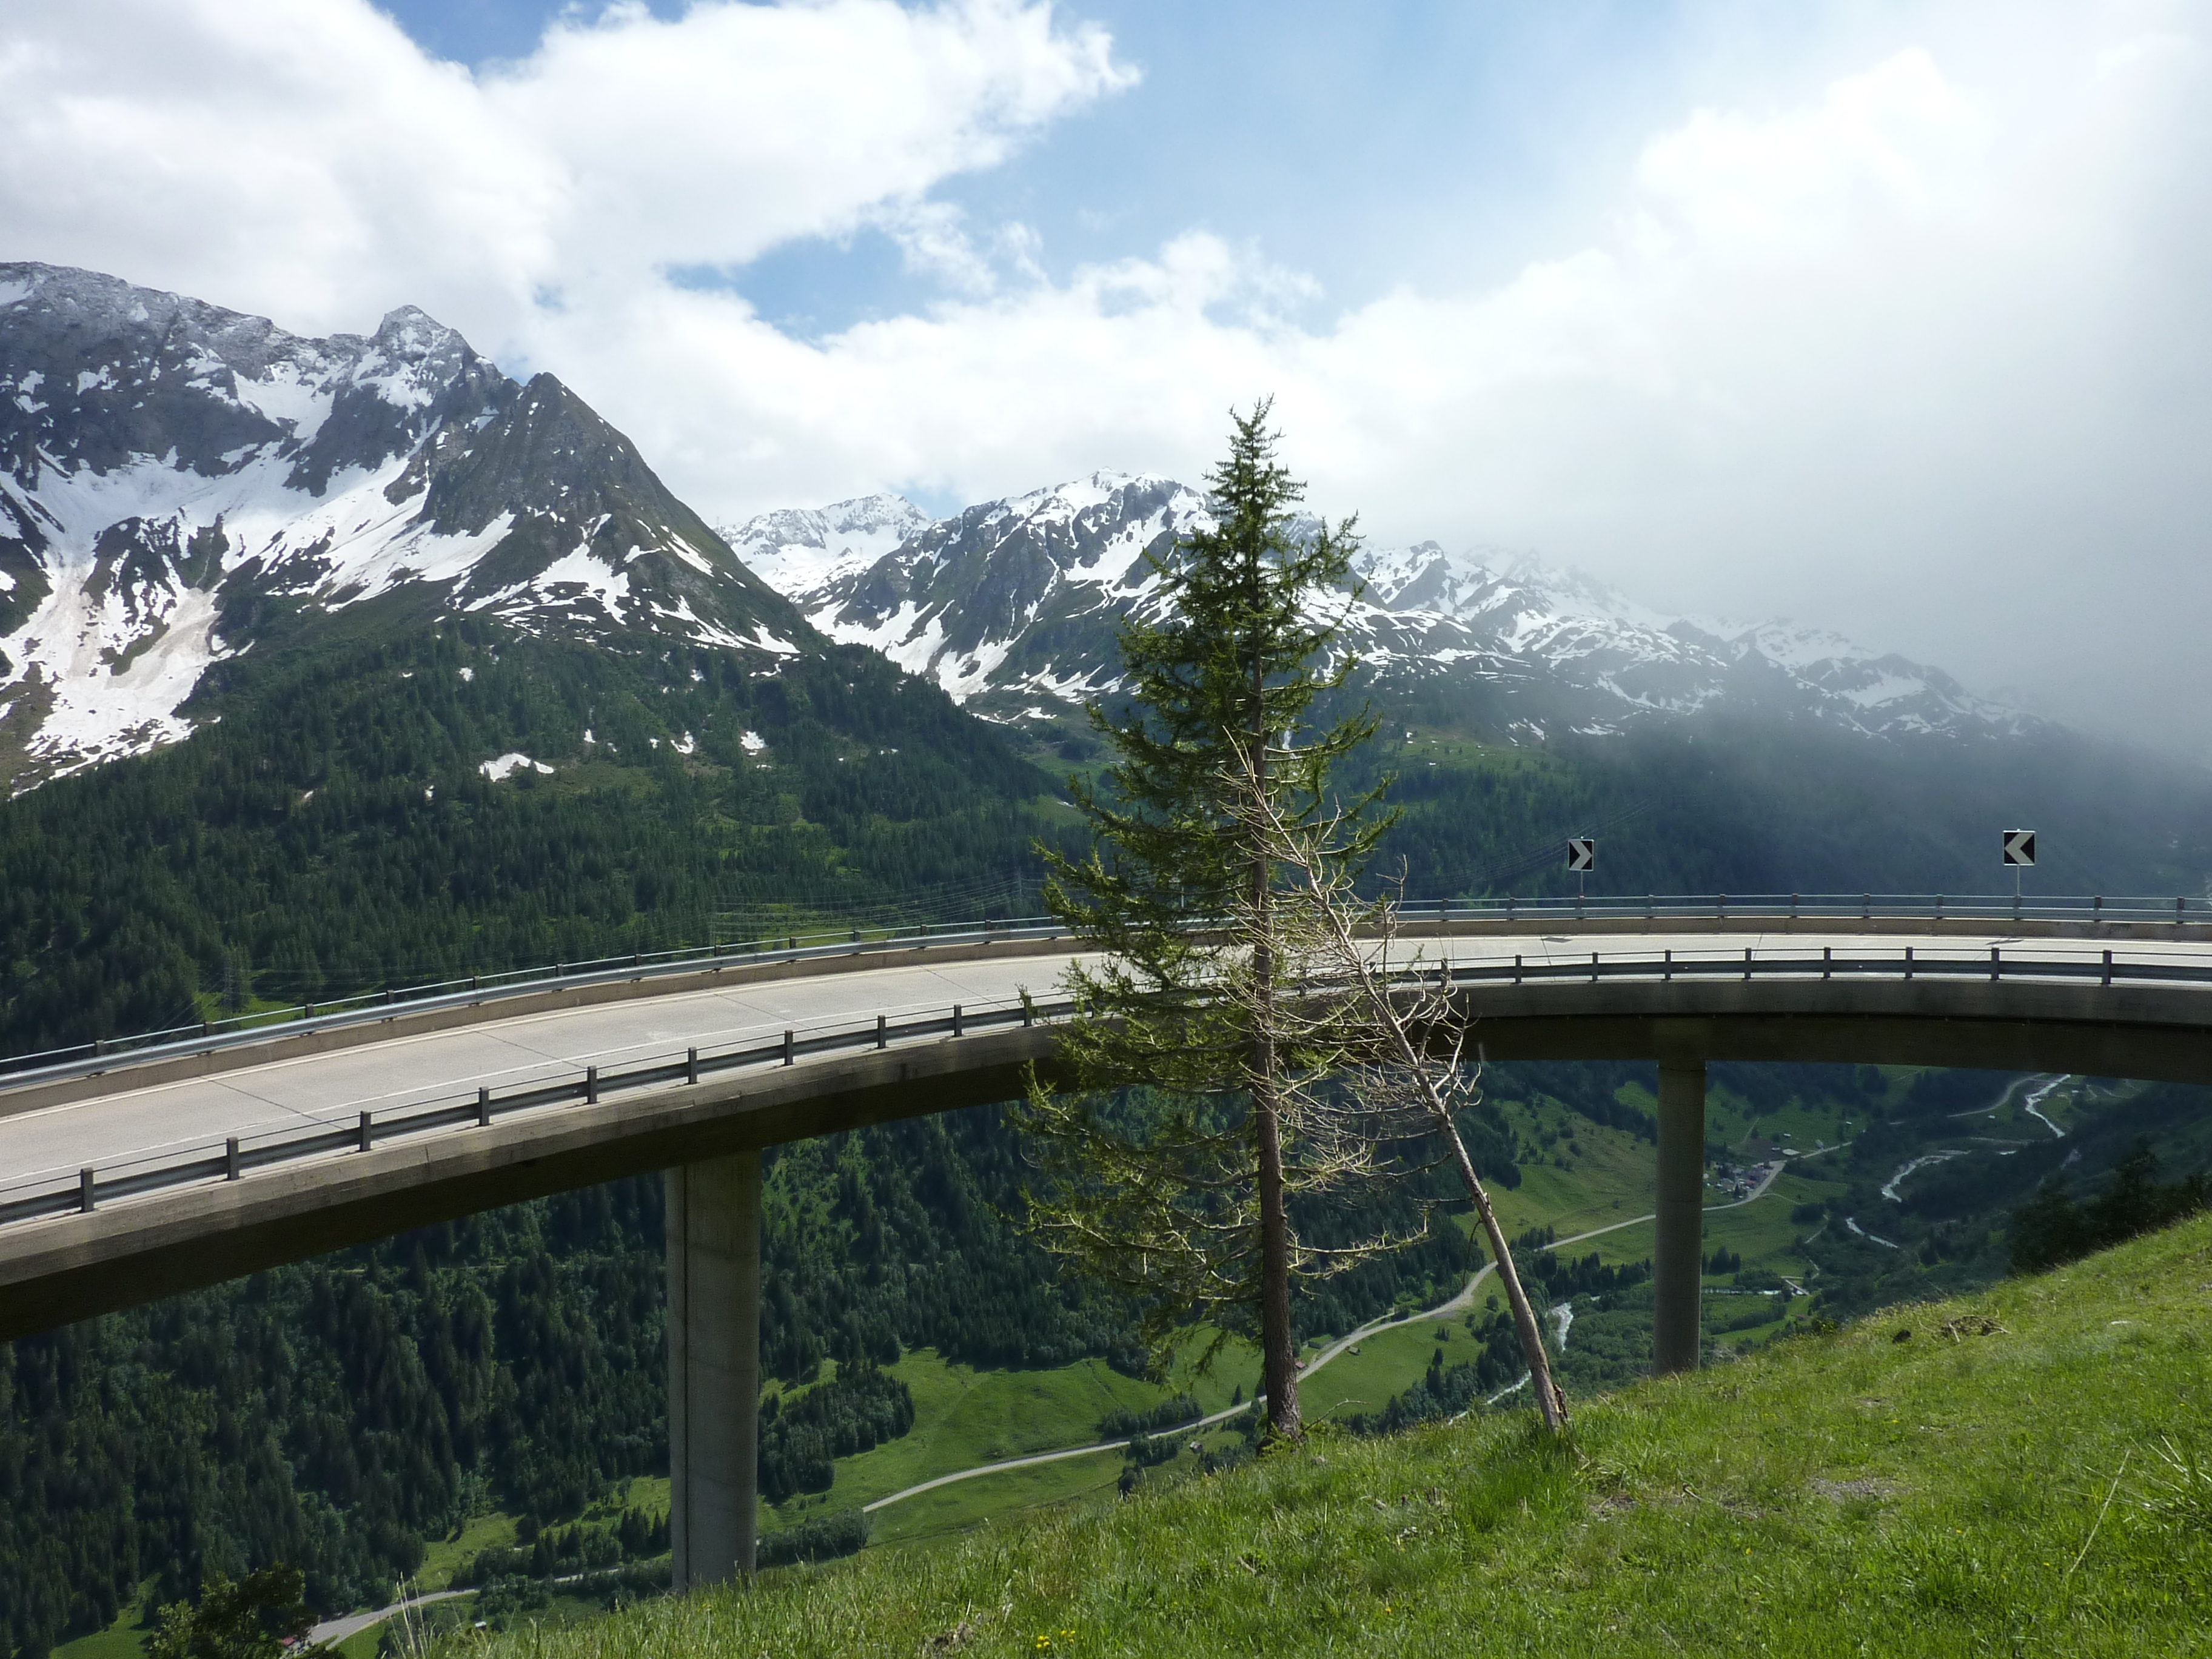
x: 1010, y: 605
x: 180, y: 480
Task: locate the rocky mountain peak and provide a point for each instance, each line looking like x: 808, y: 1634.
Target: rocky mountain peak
x: 175, y: 479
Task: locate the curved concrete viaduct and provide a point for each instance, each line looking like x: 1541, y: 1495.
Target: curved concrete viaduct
x: 183, y: 1167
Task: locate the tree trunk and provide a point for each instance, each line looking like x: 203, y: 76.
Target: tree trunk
x: 1551, y: 1401
x: 1279, y: 1358
x: 1278, y: 1361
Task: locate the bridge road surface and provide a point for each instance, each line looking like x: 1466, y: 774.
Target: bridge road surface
x: 136, y: 1248
x: 499, y: 1054
x: 143, y: 1123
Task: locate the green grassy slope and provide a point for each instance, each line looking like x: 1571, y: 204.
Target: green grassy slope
x: 2011, y: 1491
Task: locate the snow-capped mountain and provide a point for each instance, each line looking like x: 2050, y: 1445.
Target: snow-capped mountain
x: 1003, y: 604
x: 177, y: 479
x: 1011, y: 606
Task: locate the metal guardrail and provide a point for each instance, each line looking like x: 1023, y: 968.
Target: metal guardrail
x: 86, y: 1059
x: 2092, y: 909
x: 237, y: 1156
x: 56, y: 1193
x: 207, y: 1036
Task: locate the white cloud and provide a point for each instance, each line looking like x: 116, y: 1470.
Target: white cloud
x: 305, y: 159
x: 1920, y: 352
x: 1927, y: 359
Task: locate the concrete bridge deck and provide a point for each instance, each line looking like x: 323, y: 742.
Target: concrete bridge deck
x: 172, y: 1206
x: 123, y: 1181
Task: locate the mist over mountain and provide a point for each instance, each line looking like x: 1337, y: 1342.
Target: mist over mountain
x: 1011, y: 606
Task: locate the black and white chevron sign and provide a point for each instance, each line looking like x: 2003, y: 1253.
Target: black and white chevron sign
x: 2020, y: 847
x: 1581, y: 853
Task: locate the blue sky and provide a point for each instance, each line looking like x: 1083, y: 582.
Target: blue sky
x: 1366, y: 146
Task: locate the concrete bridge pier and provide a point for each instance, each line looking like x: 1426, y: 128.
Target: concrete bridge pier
x: 1677, y: 1262
x: 714, y: 1230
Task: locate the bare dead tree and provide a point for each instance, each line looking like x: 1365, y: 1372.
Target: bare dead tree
x: 1400, y: 1039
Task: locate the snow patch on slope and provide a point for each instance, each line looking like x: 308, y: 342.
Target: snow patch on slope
x: 798, y: 549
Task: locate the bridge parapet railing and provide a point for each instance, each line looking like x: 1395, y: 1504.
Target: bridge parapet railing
x: 50, y: 1192
x: 36, y: 1195
x: 208, y: 1035
x: 2091, y: 909
x: 214, y: 1034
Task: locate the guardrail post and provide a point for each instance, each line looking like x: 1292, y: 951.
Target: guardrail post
x: 1866, y: 907
x: 883, y: 1031
x: 1746, y: 962
x: 1578, y: 906
x: 476, y: 982
x: 2015, y: 906
x: 2177, y: 915
x: 2108, y: 967
x: 367, y: 1134
x: 1651, y: 907
x: 1908, y: 961
x: 1593, y: 967
x: 691, y: 1065
x: 1677, y: 1260
x: 591, y: 1085
x: 1939, y: 907
x: 1793, y: 907
x: 483, y: 1108
x: 85, y: 1199
x: 1993, y: 964
x: 1509, y: 907
x: 790, y: 1047
x: 2097, y: 909
x: 1669, y: 958
x: 1827, y: 960
x: 713, y: 1220
x: 1720, y: 907
x: 1517, y: 967
x: 1029, y: 1013
x: 230, y: 1166
x: 956, y: 1030
x: 207, y: 1028
x: 387, y: 996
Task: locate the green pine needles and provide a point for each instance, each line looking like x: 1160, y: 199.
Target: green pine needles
x: 1198, y: 1110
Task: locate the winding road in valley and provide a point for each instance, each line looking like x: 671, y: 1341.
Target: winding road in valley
x: 1457, y: 1303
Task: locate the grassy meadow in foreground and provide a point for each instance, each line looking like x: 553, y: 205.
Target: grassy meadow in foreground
x: 2034, y: 1478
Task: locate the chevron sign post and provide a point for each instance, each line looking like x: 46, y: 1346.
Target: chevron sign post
x: 1582, y: 859
x: 2019, y: 854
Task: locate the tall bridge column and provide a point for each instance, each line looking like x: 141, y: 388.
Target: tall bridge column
x: 1678, y: 1263
x: 714, y: 1226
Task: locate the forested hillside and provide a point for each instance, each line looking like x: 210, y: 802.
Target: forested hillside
x: 344, y: 1412
x: 336, y: 829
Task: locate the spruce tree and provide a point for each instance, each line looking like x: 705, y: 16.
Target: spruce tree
x: 1170, y: 1164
